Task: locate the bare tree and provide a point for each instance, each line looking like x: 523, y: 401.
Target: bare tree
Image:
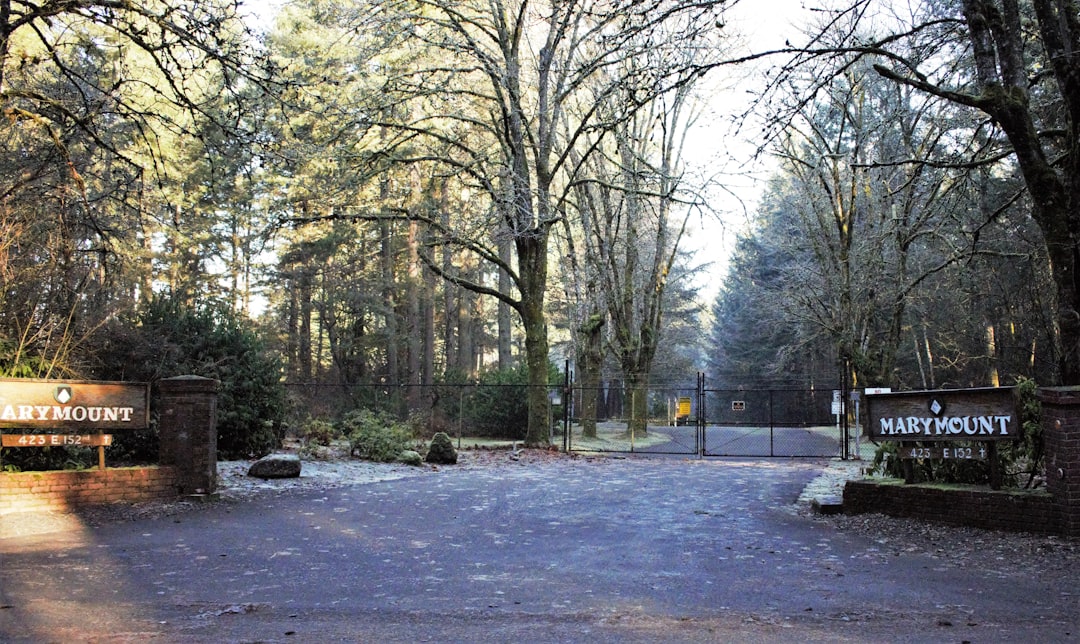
x: 863, y: 231
x: 507, y: 90
x: 1016, y: 63
x: 635, y: 213
x: 876, y: 226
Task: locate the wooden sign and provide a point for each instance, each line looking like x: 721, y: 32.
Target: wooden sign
x: 73, y: 405
x: 56, y: 440
x: 985, y: 414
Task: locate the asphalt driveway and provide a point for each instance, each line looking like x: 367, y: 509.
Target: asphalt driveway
x: 634, y: 550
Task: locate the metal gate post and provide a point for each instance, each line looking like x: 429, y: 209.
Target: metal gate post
x: 700, y: 433
x: 568, y: 381
x: 844, y: 389
x: 772, y: 426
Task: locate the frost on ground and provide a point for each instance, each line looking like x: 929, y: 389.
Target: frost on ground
x: 949, y: 546
x: 337, y: 471
x: 234, y: 482
x: 830, y: 483
x: 331, y: 469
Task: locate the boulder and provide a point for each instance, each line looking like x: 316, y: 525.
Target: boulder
x: 441, y: 451
x: 276, y: 466
x: 410, y: 457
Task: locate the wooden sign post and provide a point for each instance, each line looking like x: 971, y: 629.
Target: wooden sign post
x: 67, y: 409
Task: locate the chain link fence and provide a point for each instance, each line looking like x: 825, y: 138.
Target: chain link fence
x: 612, y: 418
x: 472, y: 410
x: 672, y: 419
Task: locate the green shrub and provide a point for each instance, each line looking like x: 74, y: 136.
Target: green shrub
x: 40, y: 459
x: 318, y: 432
x: 1025, y: 457
x: 169, y: 338
x: 16, y: 362
x: 499, y: 406
x: 493, y: 406
x: 886, y: 461
x: 374, y: 436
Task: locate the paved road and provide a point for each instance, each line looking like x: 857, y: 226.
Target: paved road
x: 746, y: 441
x: 778, y: 441
x: 636, y: 550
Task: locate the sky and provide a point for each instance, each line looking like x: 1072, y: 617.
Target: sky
x: 262, y: 12
x: 764, y: 25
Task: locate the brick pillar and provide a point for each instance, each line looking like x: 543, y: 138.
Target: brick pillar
x: 187, y: 427
x: 1061, y: 443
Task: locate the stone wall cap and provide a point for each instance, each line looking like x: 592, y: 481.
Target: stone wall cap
x: 189, y: 383
x: 1059, y: 395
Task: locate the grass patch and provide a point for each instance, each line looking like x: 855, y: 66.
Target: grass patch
x: 614, y: 437
x: 478, y: 442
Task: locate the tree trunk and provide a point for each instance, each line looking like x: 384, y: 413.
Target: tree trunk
x: 997, y: 42
x: 413, y: 323
x: 390, y: 320
x: 427, y: 377
x: 532, y: 267
x: 506, y: 250
x: 466, y: 335
x: 292, y: 336
x: 428, y: 312
x: 1054, y: 209
x: 451, y: 310
x: 304, y: 334
x: 590, y: 358
x: 638, y: 390
x: 992, y: 356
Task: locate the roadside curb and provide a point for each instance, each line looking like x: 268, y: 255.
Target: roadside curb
x: 825, y: 494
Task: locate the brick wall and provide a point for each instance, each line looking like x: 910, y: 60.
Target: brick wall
x: 187, y: 428
x: 1012, y: 510
x: 1055, y: 510
x: 64, y: 490
x: 1061, y: 444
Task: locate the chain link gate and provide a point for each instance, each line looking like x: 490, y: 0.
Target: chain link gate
x: 615, y: 417
x: 702, y: 421
x: 769, y: 422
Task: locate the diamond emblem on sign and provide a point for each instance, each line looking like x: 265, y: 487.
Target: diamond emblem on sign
x: 62, y: 395
x: 936, y: 407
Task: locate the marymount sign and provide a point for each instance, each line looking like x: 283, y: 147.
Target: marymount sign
x: 955, y: 414
x: 73, y: 404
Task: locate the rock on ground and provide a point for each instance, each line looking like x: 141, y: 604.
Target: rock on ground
x: 276, y: 466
